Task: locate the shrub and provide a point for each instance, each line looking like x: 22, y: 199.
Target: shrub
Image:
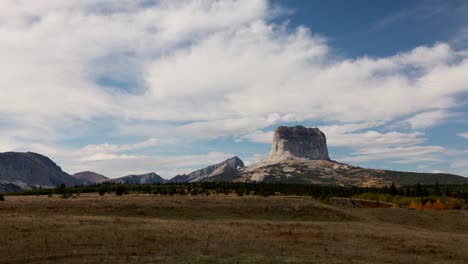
x: 2, y: 198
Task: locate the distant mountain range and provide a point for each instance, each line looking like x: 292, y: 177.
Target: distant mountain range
x: 298, y: 155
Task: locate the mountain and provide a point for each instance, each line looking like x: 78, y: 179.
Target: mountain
x: 334, y: 173
x: 23, y: 171
x: 217, y: 172
x: 89, y: 177
x: 148, y: 178
x: 300, y: 155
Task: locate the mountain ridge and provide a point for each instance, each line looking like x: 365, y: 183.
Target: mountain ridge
x: 210, y: 171
x: 146, y: 178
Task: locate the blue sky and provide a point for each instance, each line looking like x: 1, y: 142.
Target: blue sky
x: 122, y: 87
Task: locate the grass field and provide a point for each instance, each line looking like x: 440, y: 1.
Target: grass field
x: 223, y: 229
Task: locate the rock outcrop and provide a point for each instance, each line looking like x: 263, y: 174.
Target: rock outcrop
x: 300, y: 155
x: 292, y: 143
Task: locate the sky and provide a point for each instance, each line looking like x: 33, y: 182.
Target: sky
x: 135, y: 86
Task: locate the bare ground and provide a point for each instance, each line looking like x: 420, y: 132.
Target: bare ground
x: 223, y: 229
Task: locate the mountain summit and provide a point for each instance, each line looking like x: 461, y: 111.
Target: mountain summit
x: 298, y: 142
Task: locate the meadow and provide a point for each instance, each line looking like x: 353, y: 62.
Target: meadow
x: 148, y: 228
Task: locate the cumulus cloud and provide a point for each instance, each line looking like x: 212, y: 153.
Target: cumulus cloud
x: 463, y: 135
x: 251, y: 67
x: 204, y: 69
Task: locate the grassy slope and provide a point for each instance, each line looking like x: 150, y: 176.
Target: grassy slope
x: 411, y: 178
x: 360, y: 177
x: 223, y: 229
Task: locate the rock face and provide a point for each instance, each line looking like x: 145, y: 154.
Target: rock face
x: 89, y: 177
x: 28, y: 170
x: 213, y: 171
x: 291, y: 143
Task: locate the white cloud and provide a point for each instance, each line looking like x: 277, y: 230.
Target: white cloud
x: 251, y: 67
x: 463, y: 135
x: 429, y: 119
x: 167, y: 166
x: 374, y: 139
x: 412, y: 153
x: 259, y: 137
x: 89, y: 149
x: 460, y: 166
x: 203, y: 69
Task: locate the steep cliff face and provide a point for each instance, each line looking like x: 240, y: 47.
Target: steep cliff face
x: 291, y: 143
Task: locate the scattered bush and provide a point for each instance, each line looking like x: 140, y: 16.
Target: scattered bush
x: 2, y: 198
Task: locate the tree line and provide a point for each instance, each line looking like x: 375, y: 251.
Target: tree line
x: 261, y: 189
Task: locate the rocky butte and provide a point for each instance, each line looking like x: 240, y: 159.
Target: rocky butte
x: 300, y: 155
x: 298, y: 142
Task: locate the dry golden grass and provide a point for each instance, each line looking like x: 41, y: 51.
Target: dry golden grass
x: 223, y: 229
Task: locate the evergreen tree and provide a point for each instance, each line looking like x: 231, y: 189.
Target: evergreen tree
x: 61, y: 188
x: 418, y: 191
x: 437, y: 190
x: 393, y: 190
x: 447, y: 192
x: 120, y: 190
x: 102, y: 190
x: 407, y: 191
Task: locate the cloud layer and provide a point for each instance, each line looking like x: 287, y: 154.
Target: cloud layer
x: 182, y: 71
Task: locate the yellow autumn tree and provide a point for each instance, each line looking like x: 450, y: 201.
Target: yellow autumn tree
x: 438, y: 205
x: 428, y: 205
x: 413, y: 205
